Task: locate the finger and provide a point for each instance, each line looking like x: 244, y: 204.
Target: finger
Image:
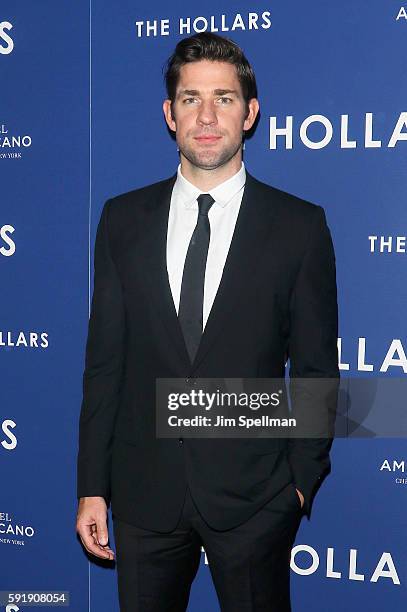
x: 105, y: 548
x: 110, y: 551
x: 101, y: 531
x: 91, y: 545
x: 97, y: 550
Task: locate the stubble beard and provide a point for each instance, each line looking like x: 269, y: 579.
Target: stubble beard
x: 207, y: 159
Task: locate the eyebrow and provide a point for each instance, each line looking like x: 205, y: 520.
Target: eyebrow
x: 217, y: 92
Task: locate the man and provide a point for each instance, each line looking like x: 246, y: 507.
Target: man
x: 229, y: 292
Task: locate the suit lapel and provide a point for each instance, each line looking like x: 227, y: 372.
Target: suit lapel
x: 154, y: 252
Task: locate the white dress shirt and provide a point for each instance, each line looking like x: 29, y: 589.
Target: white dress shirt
x: 182, y: 219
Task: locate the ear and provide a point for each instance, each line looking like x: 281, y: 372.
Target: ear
x: 168, y: 115
x: 253, y: 111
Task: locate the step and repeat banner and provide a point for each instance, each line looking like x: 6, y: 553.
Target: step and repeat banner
x: 81, y: 90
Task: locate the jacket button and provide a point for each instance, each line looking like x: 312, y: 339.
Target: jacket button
x: 181, y: 440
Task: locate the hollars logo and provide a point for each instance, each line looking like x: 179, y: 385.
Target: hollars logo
x: 23, y: 339
x: 8, y: 439
x: 357, y: 359
x: 209, y: 23
x: 281, y: 132
x: 12, y: 608
x: 6, y: 42
x: 10, y: 246
x: 310, y: 562
x: 306, y: 560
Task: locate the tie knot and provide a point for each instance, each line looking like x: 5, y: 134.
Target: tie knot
x: 205, y: 201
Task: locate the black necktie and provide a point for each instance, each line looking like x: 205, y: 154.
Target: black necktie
x: 190, y: 312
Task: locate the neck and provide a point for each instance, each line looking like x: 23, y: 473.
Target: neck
x: 205, y: 180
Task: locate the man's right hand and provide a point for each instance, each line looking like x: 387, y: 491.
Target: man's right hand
x: 91, y: 525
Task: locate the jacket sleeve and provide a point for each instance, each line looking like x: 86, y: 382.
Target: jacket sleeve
x: 102, y: 376
x: 314, y: 355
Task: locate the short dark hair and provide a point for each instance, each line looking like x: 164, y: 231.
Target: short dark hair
x: 209, y: 46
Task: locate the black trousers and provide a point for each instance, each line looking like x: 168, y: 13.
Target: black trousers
x: 249, y: 564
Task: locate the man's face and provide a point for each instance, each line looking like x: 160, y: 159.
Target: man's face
x: 209, y: 113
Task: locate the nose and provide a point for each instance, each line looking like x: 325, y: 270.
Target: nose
x: 206, y: 113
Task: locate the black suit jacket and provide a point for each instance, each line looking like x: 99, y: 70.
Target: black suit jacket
x: 277, y: 299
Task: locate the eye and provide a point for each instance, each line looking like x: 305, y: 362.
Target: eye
x: 189, y: 100
x: 225, y: 100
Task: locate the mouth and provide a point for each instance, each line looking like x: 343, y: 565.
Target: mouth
x: 207, y: 139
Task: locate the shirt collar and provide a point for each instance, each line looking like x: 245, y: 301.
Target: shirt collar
x: 187, y: 193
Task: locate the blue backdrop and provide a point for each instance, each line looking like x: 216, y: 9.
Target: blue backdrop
x: 80, y: 121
